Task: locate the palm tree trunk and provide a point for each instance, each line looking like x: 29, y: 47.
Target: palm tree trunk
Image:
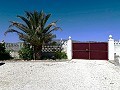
x: 37, y: 52
x: 34, y: 53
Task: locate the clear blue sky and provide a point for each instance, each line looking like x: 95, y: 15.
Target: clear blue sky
x: 83, y: 20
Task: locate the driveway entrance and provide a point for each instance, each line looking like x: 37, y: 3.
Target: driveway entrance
x: 67, y: 75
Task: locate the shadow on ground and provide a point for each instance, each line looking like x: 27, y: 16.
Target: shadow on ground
x: 2, y: 63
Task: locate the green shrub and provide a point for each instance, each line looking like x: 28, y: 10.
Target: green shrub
x: 60, y: 55
x: 4, y: 55
x: 26, y: 53
x: 54, y: 55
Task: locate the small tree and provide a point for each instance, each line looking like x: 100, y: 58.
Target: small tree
x: 26, y: 52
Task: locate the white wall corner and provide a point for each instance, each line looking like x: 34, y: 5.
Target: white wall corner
x: 69, y: 48
x: 110, y: 48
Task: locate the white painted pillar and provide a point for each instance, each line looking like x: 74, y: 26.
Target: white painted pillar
x: 110, y: 48
x: 69, y: 48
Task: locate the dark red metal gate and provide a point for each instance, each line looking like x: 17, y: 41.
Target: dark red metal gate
x: 96, y: 50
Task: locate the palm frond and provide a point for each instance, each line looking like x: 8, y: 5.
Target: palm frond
x: 11, y: 31
x: 46, y: 19
x: 25, y: 20
x: 27, y: 15
x: 20, y: 26
x: 48, y: 28
x: 54, y: 29
x: 23, y: 37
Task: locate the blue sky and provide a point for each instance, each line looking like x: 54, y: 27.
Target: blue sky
x: 83, y: 20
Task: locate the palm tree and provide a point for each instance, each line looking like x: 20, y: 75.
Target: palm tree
x: 34, y: 30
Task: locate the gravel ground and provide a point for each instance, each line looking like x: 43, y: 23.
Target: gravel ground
x: 67, y: 75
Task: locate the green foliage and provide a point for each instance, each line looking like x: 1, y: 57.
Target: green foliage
x: 26, y: 53
x: 4, y: 55
x: 60, y: 55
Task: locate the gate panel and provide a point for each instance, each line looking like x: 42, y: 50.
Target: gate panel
x: 80, y: 50
x: 80, y: 55
x: 98, y: 55
x: 99, y: 51
x: 99, y: 46
x: 80, y: 46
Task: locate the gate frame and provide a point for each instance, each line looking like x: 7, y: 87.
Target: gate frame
x: 110, y: 48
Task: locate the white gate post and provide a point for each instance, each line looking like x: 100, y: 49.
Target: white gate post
x: 110, y: 48
x: 69, y: 48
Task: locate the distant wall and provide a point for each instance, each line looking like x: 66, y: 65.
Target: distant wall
x: 14, y: 48
x: 117, y: 47
x: 113, y: 50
